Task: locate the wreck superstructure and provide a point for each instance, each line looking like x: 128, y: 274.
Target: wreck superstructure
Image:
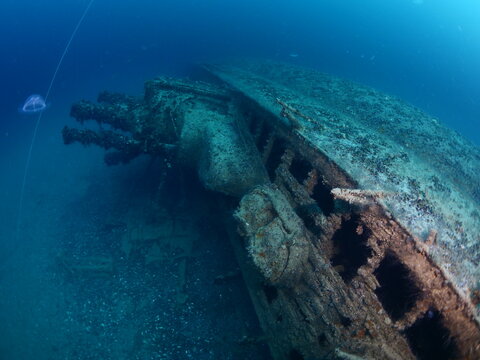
x: 355, y: 216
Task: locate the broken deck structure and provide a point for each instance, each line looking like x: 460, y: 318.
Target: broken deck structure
x: 356, y: 217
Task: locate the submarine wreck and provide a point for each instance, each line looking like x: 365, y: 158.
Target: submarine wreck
x: 354, y: 216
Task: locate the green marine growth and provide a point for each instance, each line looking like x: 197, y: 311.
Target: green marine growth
x: 191, y: 122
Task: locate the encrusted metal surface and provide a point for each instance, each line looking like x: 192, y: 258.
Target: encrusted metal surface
x: 357, y: 214
x: 384, y: 145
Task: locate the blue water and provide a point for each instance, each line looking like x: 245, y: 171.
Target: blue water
x: 426, y: 52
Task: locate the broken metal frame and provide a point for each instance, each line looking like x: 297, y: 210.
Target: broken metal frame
x: 301, y: 172
x: 320, y: 255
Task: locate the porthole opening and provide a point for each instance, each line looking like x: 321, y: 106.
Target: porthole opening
x: 398, y: 291
x: 429, y: 339
x: 350, y: 248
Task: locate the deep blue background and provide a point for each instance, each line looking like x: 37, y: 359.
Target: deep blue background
x: 426, y: 52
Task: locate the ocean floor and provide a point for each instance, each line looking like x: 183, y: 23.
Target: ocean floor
x: 121, y: 263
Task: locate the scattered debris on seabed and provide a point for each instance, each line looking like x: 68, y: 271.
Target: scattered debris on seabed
x: 147, y: 274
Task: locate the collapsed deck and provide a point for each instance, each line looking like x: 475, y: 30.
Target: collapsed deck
x: 358, y: 215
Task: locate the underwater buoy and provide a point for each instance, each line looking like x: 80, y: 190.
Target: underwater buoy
x: 36, y: 104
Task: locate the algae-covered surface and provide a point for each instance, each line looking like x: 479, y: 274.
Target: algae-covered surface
x: 385, y: 144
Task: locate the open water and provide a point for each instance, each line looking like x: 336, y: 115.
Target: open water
x: 71, y: 285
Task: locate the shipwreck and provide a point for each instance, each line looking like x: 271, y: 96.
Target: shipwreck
x: 355, y: 217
